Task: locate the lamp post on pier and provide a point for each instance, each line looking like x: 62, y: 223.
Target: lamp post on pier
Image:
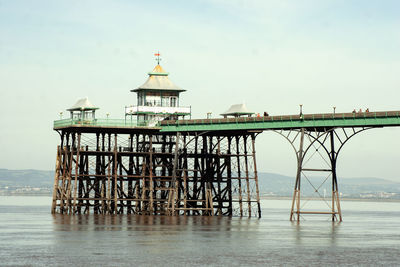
x: 301, y: 111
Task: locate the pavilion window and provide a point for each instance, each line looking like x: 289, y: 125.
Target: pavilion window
x: 140, y: 99
x: 174, y: 101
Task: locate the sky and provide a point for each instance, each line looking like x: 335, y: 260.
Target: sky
x: 270, y: 55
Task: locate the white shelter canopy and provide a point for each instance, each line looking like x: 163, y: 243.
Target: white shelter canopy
x: 237, y: 110
x: 83, y: 104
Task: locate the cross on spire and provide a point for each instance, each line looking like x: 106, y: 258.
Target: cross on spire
x: 158, y: 59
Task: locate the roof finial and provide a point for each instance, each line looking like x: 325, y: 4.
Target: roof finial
x: 158, y: 59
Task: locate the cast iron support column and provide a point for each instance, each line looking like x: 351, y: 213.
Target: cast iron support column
x: 335, y: 194
x: 296, y: 194
x: 78, y: 148
x: 253, y: 141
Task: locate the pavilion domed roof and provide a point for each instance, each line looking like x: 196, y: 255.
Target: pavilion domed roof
x: 159, y: 69
x: 158, y: 80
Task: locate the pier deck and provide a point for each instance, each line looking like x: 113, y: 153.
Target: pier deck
x: 328, y: 120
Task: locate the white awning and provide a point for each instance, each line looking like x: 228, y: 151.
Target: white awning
x: 82, y: 104
x: 237, y: 110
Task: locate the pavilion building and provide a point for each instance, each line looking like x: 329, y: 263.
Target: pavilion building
x: 157, y: 100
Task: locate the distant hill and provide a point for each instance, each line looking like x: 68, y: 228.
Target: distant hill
x: 32, y: 178
x: 284, y: 185
x: 269, y: 183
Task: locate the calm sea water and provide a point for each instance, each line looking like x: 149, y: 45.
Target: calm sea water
x: 31, y: 236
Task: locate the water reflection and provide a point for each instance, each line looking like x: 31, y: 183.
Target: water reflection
x: 310, y: 231
x: 158, y: 233
x: 30, y: 235
x: 99, y: 222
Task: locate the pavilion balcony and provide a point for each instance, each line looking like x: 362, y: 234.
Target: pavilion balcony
x: 132, y: 110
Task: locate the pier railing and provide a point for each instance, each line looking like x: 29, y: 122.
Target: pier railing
x: 103, y: 123
x: 374, y: 119
x: 363, y: 119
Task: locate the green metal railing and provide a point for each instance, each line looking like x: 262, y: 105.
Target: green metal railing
x: 371, y: 119
x: 101, y: 123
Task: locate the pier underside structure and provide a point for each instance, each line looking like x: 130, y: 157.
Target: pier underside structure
x: 317, y: 140
x: 317, y: 151
x: 144, y: 171
x: 197, y: 167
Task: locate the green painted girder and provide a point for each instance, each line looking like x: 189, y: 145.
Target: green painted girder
x: 370, y: 119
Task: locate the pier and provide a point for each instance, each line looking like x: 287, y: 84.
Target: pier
x: 156, y: 161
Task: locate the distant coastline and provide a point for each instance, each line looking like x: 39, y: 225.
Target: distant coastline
x: 341, y: 199
x: 271, y: 186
